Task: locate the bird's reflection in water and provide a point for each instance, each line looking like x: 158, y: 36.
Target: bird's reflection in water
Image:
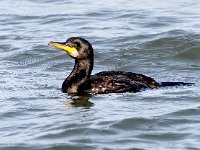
x: 80, y: 101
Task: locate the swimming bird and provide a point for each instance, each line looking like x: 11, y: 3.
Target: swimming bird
x: 80, y: 81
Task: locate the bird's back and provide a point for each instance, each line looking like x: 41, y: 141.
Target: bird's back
x: 117, y: 82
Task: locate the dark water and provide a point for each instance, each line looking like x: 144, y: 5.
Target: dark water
x: 159, y: 39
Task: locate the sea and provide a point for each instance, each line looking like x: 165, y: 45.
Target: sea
x: 160, y: 39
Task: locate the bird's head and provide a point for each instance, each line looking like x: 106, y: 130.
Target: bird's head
x: 76, y: 47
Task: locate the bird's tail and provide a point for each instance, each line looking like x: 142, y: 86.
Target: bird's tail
x: 164, y: 84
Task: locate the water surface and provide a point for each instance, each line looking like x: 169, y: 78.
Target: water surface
x: 158, y: 39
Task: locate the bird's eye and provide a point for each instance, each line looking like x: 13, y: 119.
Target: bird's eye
x: 77, y: 44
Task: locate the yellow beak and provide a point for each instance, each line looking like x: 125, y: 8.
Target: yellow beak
x: 63, y: 47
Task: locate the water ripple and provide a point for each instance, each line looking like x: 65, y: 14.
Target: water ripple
x: 159, y: 39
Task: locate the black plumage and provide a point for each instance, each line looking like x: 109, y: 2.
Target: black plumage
x: 80, y: 81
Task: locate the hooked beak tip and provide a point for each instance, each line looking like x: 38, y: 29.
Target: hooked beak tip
x: 50, y: 43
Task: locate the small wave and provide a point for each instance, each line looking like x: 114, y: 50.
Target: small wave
x: 190, y: 54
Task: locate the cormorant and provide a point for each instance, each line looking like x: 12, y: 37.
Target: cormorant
x: 80, y: 81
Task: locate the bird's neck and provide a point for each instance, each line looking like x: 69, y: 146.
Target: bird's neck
x: 79, y: 75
